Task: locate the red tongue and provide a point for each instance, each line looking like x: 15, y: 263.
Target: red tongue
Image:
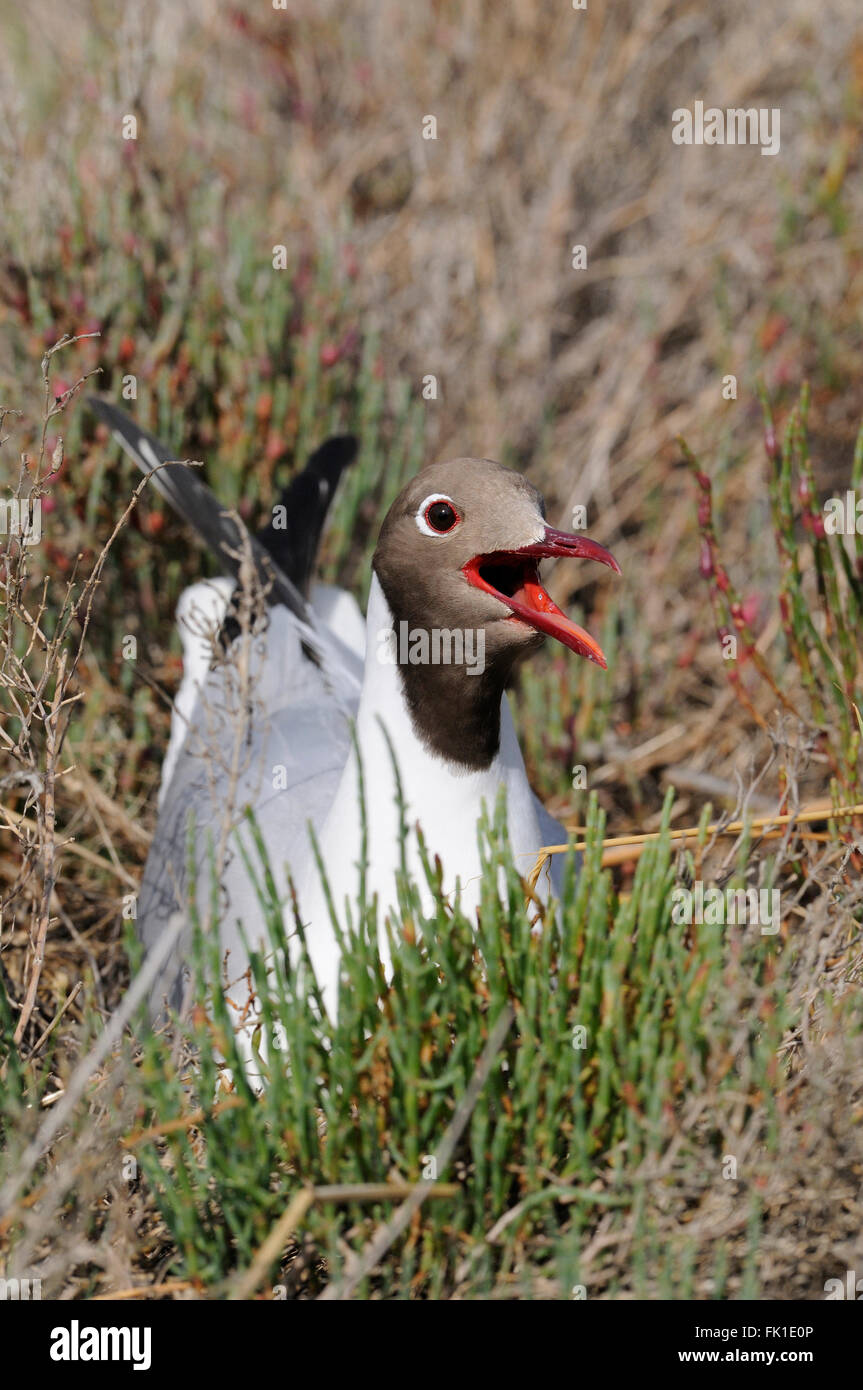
x: 540, y: 610
x: 530, y: 603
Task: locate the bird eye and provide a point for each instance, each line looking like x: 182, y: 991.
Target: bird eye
x: 437, y: 515
x: 441, y: 516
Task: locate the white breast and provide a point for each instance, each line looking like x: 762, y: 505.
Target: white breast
x: 446, y: 801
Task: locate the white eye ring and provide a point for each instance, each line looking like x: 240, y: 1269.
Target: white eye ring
x: 423, y: 524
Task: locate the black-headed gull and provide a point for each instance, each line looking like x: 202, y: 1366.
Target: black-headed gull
x: 455, y: 601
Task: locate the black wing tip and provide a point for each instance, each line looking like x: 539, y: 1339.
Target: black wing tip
x: 117, y: 419
x: 337, y: 452
x: 306, y: 499
x: 104, y: 409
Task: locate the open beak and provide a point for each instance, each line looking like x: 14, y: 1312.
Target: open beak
x: 512, y: 576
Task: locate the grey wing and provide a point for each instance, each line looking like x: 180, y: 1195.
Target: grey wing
x: 283, y: 761
x: 199, y: 815
x: 294, y: 723
x: 553, y: 833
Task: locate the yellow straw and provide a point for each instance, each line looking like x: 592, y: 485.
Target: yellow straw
x: 734, y: 828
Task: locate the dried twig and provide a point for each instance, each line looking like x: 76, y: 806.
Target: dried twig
x: 634, y: 845
x: 108, y: 1038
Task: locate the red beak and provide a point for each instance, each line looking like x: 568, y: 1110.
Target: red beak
x: 512, y: 576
